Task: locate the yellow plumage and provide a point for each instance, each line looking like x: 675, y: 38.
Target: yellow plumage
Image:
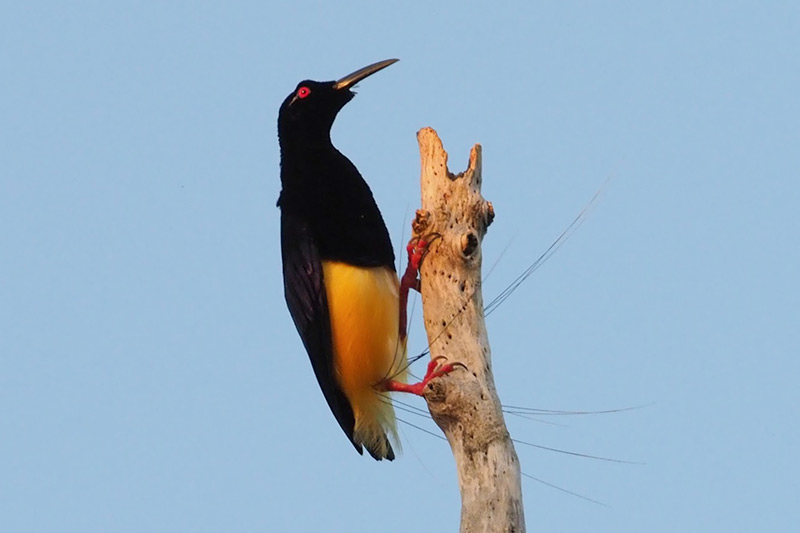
x: 364, y: 313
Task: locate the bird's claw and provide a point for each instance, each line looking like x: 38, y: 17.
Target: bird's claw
x: 417, y: 249
x: 434, y: 370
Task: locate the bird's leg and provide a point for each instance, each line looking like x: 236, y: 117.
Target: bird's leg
x: 416, y: 248
x: 435, y: 370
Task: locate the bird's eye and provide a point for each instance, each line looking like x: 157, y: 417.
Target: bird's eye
x: 302, y: 92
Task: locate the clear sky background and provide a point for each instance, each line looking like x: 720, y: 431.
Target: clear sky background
x: 151, y: 378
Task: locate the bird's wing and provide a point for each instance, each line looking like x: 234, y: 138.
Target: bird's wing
x: 308, y: 305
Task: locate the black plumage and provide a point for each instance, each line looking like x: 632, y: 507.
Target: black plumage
x: 328, y: 213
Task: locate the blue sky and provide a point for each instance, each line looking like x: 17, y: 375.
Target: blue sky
x: 150, y: 376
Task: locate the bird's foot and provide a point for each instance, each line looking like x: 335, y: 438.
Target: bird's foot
x: 435, y: 370
x: 417, y: 249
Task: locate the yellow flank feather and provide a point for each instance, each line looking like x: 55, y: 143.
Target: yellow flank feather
x: 364, y: 312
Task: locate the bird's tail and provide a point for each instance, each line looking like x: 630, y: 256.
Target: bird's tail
x: 376, y: 427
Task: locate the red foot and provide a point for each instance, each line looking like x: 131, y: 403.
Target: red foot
x: 434, y: 371
x: 416, y: 249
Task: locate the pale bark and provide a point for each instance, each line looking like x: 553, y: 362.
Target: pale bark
x: 464, y: 403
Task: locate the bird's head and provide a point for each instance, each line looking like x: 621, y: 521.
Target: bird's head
x: 312, y: 107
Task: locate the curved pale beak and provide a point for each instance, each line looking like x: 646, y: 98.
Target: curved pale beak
x: 355, y: 77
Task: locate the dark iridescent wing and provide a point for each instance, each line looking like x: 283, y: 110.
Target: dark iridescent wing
x: 308, y: 305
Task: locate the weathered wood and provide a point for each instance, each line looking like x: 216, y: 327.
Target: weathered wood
x: 454, y: 218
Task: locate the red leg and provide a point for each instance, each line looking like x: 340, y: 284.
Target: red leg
x: 416, y: 249
x: 435, y: 370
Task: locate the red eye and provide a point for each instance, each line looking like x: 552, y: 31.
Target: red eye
x: 302, y: 92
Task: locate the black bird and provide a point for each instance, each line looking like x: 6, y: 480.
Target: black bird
x: 340, y: 282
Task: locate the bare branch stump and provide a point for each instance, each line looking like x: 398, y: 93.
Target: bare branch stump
x: 454, y: 218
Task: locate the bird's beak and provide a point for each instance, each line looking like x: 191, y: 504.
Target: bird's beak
x: 351, y: 79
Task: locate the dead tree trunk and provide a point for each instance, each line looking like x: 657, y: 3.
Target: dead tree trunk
x: 464, y: 404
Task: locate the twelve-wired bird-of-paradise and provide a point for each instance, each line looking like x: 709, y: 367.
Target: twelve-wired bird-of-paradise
x: 339, y: 278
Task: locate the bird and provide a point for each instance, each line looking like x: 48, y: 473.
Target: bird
x: 340, y: 282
